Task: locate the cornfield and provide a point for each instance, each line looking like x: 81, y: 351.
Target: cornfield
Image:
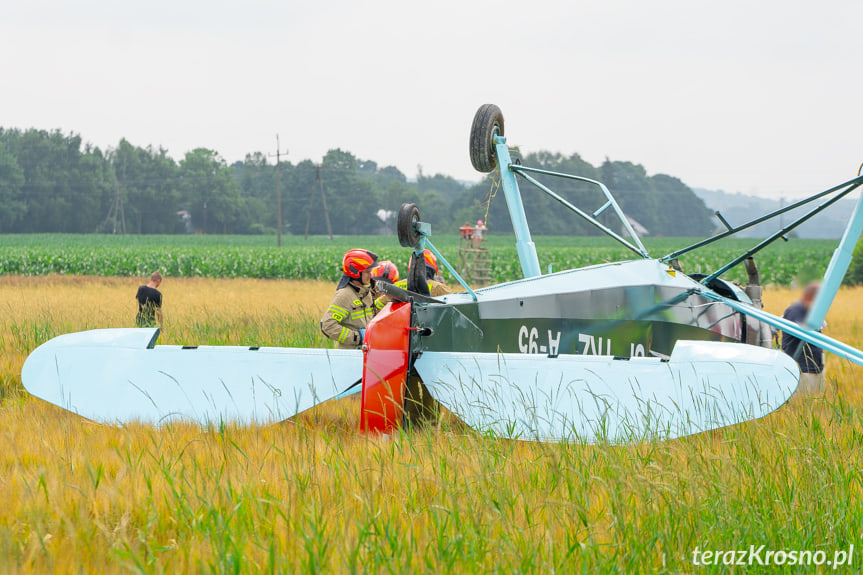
x: 319, y: 258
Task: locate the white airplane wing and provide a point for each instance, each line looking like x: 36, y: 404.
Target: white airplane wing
x: 120, y: 376
x: 703, y: 386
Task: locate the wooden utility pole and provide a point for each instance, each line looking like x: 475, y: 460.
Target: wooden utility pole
x: 320, y: 183
x: 278, y: 155
x: 324, y: 201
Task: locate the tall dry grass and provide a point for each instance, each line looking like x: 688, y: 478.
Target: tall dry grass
x: 315, y: 496
x: 196, y: 311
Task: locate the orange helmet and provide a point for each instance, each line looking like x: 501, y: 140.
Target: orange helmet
x: 356, y: 261
x: 431, y: 261
x: 386, y: 271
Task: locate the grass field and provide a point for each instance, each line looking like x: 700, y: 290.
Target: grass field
x: 318, y: 258
x: 315, y: 496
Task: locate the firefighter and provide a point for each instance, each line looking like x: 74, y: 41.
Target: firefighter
x: 435, y: 282
x: 353, y: 306
x: 385, y: 272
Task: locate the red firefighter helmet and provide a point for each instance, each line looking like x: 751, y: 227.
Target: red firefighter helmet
x: 386, y: 271
x: 356, y: 261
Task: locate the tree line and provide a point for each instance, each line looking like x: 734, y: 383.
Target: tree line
x: 55, y: 182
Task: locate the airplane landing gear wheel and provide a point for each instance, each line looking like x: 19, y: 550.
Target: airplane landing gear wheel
x: 417, y: 281
x: 409, y: 215
x: 487, y: 123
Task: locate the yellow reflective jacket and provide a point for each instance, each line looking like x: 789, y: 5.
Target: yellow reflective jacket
x: 436, y: 288
x: 351, y: 310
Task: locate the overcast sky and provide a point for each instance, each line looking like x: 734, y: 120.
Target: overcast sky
x: 759, y: 97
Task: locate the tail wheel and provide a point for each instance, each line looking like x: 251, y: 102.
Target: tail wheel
x: 409, y: 215
x: 417, y: 281
x: 487, y: 123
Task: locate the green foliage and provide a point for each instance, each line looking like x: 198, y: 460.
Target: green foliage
x: 209, y: 190
x: 66, y: 187
x: 51, y: 182
x: 12, y: 204
x: 319, y: 258
x: 145, y: 180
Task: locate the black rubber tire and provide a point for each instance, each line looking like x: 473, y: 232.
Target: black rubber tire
x: 409, y: 214
x: 417, y: 281
x: 487, y: 123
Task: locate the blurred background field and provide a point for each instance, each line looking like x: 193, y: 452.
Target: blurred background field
x: 319, y: 258
x: 313, y: 495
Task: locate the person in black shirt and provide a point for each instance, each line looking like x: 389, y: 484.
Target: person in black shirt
x: 808, y: 357
x: 149, y: 302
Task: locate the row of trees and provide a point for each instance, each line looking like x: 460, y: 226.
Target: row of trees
x: 54, y: 182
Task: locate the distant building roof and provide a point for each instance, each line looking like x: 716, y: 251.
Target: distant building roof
x: 639, y: 229
x: 383, y: 215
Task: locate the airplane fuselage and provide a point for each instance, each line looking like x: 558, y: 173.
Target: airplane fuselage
x: 626, y: 309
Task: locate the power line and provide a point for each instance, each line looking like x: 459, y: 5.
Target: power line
x: 81, y: 184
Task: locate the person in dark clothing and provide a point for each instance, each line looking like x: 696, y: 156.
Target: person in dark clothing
x: 149, y: 302
x: 809, y: 357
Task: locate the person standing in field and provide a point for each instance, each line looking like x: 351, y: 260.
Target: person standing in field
x: 353, y: 305
x: 477, y: 234
x: 809, y: 357
x: 150, y: 302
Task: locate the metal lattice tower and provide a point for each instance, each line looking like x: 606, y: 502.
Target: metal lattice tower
x: 474, y: 264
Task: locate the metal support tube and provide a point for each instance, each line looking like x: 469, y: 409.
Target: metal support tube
x: 523, y: 242
x: 855, y: 182
x: 584, y: 215
x: 836, y: 269
x: 608, y: 196
x: 777, y: 235
x: 604, y: 207
x: 818, y: 339
x: 455, y: 274
x: 722, y: 219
